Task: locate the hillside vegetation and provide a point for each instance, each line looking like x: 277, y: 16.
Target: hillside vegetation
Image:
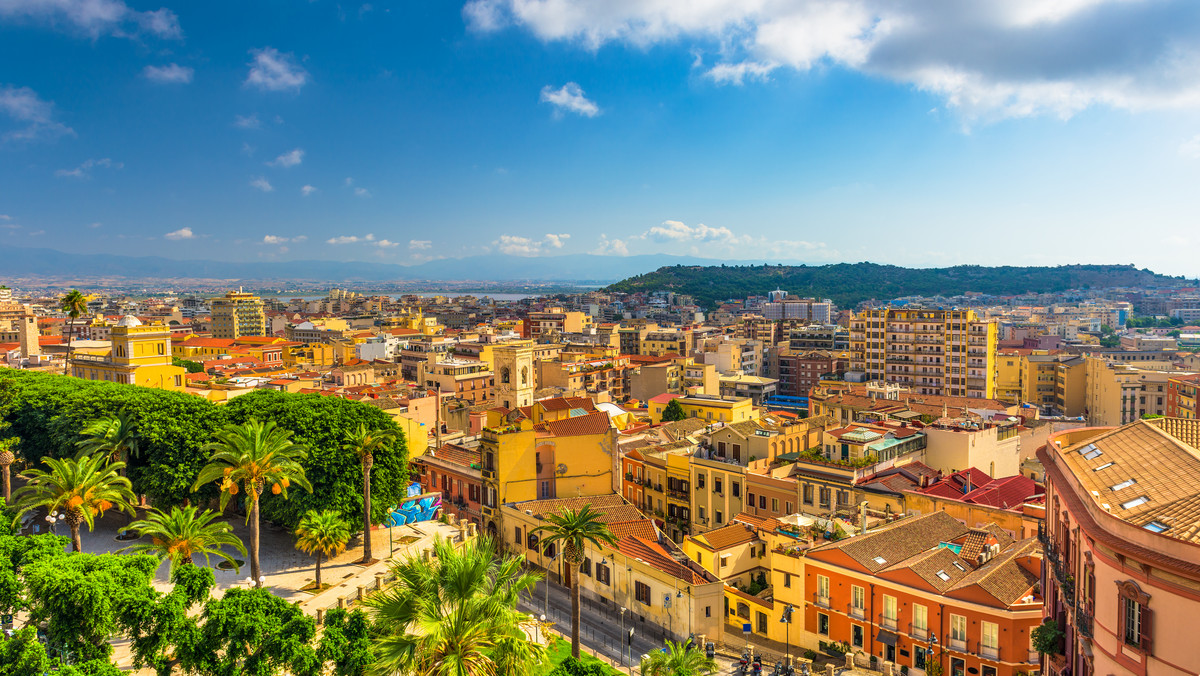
x: 851, y: 283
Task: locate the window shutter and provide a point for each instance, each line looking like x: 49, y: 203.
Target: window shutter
x: 1146, y: 626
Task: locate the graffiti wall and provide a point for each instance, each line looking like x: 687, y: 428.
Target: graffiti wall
x: 416, y: 507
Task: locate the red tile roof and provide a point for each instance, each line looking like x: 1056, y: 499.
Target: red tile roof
x: 1005, y: 493
x: 955, y: 485
x: 653, y: 554
x: 580, y: 425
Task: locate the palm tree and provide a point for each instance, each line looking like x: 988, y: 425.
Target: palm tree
x: 74, y: 304
x: 249, y: 457
x: 7, y: 457
x: 114, y: 436
x: 324, y: 534
x: 365, y: 443
x: 678, y: 659
x: 455, y: 615
x: 575, y: 530
x: 184, y: 531
x: 83, y: 489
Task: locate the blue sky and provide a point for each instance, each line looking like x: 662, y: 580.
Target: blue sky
x: 922, y: 133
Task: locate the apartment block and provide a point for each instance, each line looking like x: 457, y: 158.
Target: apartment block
x: 238, y: 314
x: 937, y: 352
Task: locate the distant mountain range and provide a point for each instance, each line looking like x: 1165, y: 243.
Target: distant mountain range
x: 850, y: 283
x: 26, y: 262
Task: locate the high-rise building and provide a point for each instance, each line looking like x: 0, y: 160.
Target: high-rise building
x: 238, y: 314
x: 938, y: 352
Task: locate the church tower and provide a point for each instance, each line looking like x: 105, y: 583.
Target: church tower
x: 513, y: 368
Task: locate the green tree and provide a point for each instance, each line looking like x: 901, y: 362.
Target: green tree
x: 159, y: 623
x: 18, y: 553
x: 456, y: 615
x: 364, y: 443
x: 346, y: 643
x: 83, y: 489
x: 114, y: 437
x: 8, y: 455
x: 251, y: 457
x: 673, y: 412
x: 680, y: 659
x: 179, y: 534
x: 75, y: 305
x: 250, y: 632
x: 191, y: 366
x: 575, y: 530
x: 324, y: 534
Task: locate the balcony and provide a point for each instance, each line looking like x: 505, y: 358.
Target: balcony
x: 820, y: 601
x: 488, y: 473
x: 887, y: 622
x: 989, y: 652
x: 1083, y: 623
x: 958, y: 645
x: 918, y: 633
x: 1034, y: 657
x: 857, y: 613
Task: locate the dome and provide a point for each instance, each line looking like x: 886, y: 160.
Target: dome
x: 129, y: 320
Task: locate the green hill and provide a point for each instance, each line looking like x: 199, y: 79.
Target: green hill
x: 851, y: 283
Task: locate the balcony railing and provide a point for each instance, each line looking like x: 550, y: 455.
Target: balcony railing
x: 958, y: 645
x: 1034, y: 657
x: 918, y: 633
x: 1083, y: 623
x: 887, y: 622
x: 857, y: 613
x: 820, y: 601
x: 989, y: 652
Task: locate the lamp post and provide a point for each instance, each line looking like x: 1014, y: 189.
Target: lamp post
x: 622, y: 635
x: 52, y: 519
x: 929, y: 650
x: 541, y: 627
x: 786, y: 619
x: 546, y: 582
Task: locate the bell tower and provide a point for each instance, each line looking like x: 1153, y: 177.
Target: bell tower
x: 513, y: 368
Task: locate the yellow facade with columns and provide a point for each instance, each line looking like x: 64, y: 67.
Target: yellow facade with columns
x: 140, y: 355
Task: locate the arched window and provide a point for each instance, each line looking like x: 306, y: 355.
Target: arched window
x: 524, y: 375
x: 504, y: 375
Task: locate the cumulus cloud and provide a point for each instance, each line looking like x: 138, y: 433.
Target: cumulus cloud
x: 172, y: 73
x: 350, y: 239
x: 612, y: 247
x: 182, y: 233
x: 515, y: 245
x: 420, y: 244
x: 272, y: 70
x: 275, y: 239
x: 570, y: 99
x: 288, y: 159
x: 262, y: 184
x: 93, y: 18
x: 676, y: 231
x: 84, y: 170
x: 246, y: 121
x: 386, y: 244
x: 362, y: 192
x: 34, y: 116
x: 307, y: 190
x: 987, y: 59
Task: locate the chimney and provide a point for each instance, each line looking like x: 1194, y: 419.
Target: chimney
x: 862, y: 518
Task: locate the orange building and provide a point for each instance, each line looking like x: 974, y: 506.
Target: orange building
x: 927, y: 589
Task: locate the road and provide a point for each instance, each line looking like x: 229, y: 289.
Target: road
x: 602, y: 628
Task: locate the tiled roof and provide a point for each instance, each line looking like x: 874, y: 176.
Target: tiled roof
x: 728, y: 536
x: 954, y: 485
x: 458, y: 455
x: 1005, y: 493
x: 682, y: 428
x: 898, y: 541
x: 1003, y: 577
x: 580, y: 425
x: 612, y: 507
x: 642, y: 528
x: 928, y: 564
x: 664, y: 398
x: 653, y: 554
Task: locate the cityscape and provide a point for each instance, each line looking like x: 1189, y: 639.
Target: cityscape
x: 562, y: 338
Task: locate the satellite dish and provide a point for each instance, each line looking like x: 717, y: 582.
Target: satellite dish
x: 561, y: 469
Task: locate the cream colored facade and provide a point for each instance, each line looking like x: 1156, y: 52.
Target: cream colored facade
x: 238, y: 314
x: 140, y: 355
x: 941, y: 352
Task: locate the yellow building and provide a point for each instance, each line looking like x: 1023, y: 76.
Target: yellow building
x: 140, y: 355
x: 238, y: 314
x: 534, y: 458
x: 708, y: 408
x: 939, y: 352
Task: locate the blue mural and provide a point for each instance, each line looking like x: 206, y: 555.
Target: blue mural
x: 417, y: 507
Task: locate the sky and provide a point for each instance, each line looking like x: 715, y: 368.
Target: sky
x: 920, y: 133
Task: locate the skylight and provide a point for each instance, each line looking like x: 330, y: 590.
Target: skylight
x: 1156, y: 527
x: 959, y: 566
x: 1124, y: 484
x: 942, y: 574
x: 1135, y: 502
x: 1090, y: 452
x: 880, y: 560
x: 1104, y: 466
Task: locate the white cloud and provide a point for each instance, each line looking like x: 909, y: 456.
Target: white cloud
x: 420, y: 244
x: 612, y: 247
x: 246, y: 121
x: 676, y: 231
x: 362, y: 192
x: 987, y: 59
x: 569, y: 98
x: 307, y: 190
x: 288, y: 159
x: 275, y: 71
x: 182, y: 233
x: 386, y: 244
x: 84, y: 170
x: 1191, y: 148
x: 514, y: 245
x: 275, y: 239
x: 262, y: 184
x: 5, y: 217
x: 95, y: 225
x: 737, y: 73
x: 350, y: 239
x: 172, y: 73
x: 93, y: 17
x: 33, y: 115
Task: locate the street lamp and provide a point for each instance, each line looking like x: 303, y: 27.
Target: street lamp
x: 786, y: 618
x: 622, y: 635
x: 546, y: 584
x: 929, y: 650
x: 53, y: 518
x: 540, y: 627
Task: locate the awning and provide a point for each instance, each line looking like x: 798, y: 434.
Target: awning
x: 886, y: 637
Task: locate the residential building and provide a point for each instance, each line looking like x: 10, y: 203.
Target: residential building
x: 140, y: 354
x: 1182, y: 396
x: 661, y: 342
x: 1123, y: 548
x: 710, y: 408
x: 466, y: 379
x: 455, y: 471
x: 238, y: 314
x: 719, y: 491
x: 938, y: 352
x: 552, y: 323
x: 756, y: 388
x: 800, y: 371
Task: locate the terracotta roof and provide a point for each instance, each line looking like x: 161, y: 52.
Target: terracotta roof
x: 642, y: 528
x: 683, y: 428
x: 580, y: 425
x: 1003, y: 577
x: 728, y: 536
x: 653, y: 554
x: 458, y: 455
x: 664, y: 398
x: 891, y: 544
x: 955, y: 485
x: 1006, y: 493
x: 612, y: 507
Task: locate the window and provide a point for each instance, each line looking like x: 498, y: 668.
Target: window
x: 750, y: 499
x: 718, y: 517
x: 737, y: 489
x: 787, y: 579
x: 724, y: 561
x: 822, y: 586
x: 822, y: 624
x: 856, y: 635
x: 991, y: 635
x: 890, y: 611
x: 920, y: 617
x: 699, y: 481
x: 641, y: 592
x: 708, y: 611
x: 787, y: 507
x: 603, y: 574
x: 1135, y: 622
x: 958, y: 628
x: 762, y: 623
x: 717, y: 486
x: 808, y: 494
x: 585, y: 567
x: 857, y: 597
x: 517, y: 534
x: 762, y: 502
